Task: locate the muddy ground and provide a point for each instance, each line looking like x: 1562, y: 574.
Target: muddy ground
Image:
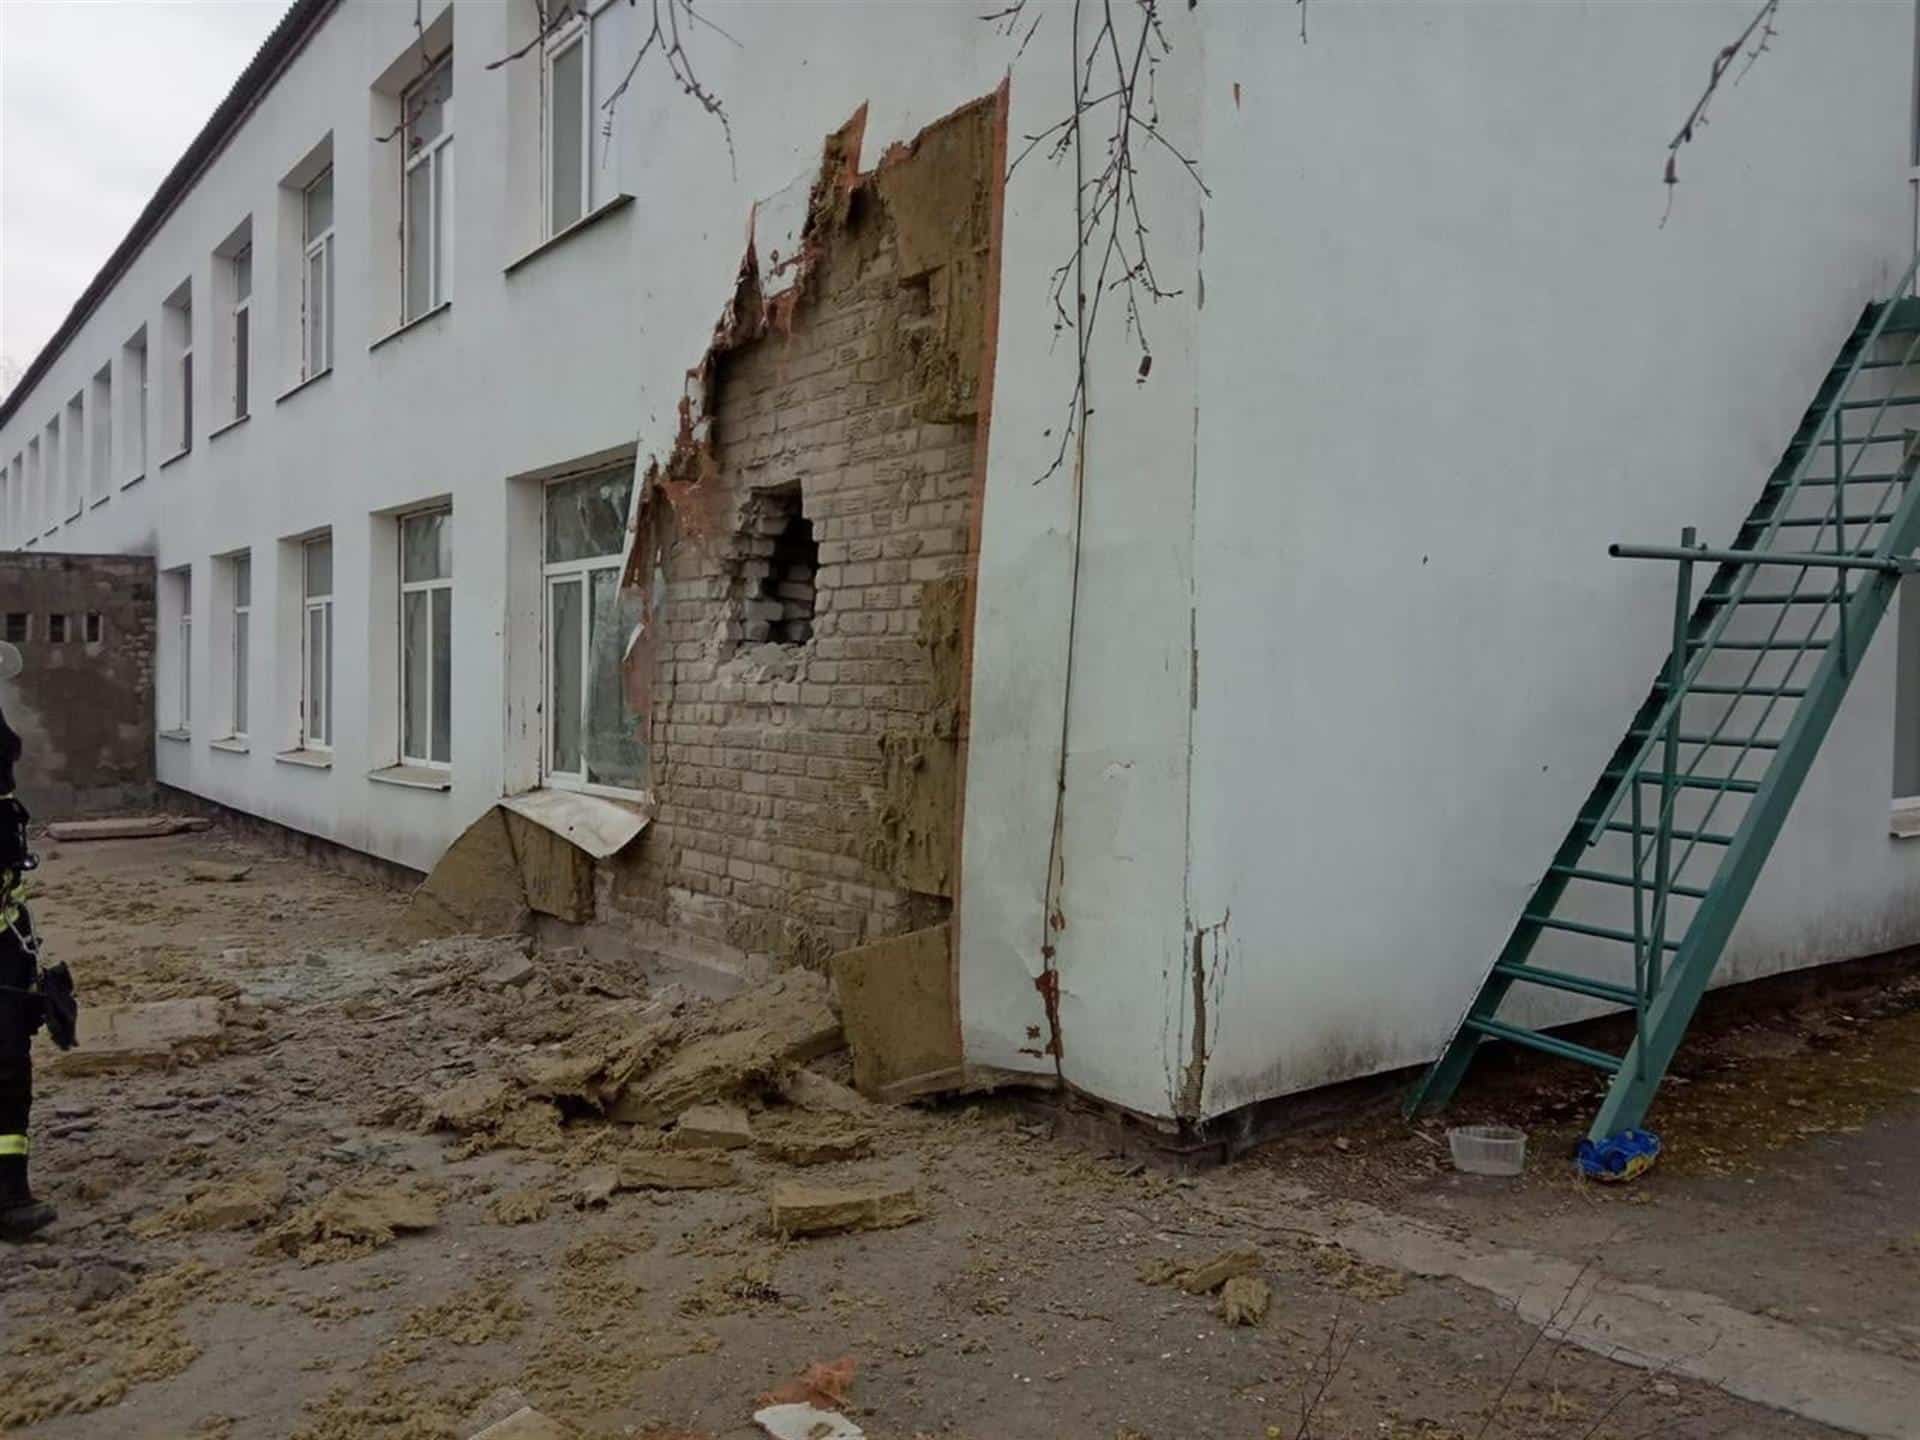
x: 1015, y: 1306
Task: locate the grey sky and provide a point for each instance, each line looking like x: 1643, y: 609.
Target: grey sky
x: 98, y: 99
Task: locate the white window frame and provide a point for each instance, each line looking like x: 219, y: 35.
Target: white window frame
x: 239, y: 644
x: 316, y: 737
x: 240, y: 400
x: 183, y: 377
x: 414, y: 587
x: 317, y: 312
x: 576, y: 31
x: 185, y: 697
x: 553, y: 574
x: 73, y: 454
x: 436, y: 158
x: 136, y: 385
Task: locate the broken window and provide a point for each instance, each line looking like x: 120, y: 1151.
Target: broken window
x: 592, y: 735
x: 426, y: 638
x: 779, y: 606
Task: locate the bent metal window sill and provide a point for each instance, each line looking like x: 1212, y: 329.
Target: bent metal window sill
x: 233, y: 424
x: 586, y: 221
x: 307, y: 759
x: 413, y: 777
x: 413, y: 324
x: 299, y: 385
x: 232, y: 744
x: 176, y: 457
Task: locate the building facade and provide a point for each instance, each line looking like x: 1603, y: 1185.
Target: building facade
x: 1220, y: 669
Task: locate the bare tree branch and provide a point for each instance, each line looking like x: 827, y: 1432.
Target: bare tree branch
x: 1754, y: 41
x: 666, y: 38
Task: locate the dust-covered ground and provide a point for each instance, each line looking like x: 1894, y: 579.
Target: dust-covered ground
x: 389, y: 1191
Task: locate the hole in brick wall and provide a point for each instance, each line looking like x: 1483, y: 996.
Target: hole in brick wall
x: 16, y: 627
x: 56, y: 628
x: 779, y: 607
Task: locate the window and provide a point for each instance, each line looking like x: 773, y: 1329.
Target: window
x: 56, y: 629
x: 426, y: 210
x: 133, y: 380
x: 590, y: 732
x: 240, y: 580
x: 316, y: 655
x: 239, y: 324
x: 100, y: 478
x: 17, y: 628
x: 316, y: 292
x: 177, y: 602
x: 30, y: 517
x: 177, y: 315
x: 95, y: 627
x: 426, y: 638
x: 585, y: 58
x: 73, y: 436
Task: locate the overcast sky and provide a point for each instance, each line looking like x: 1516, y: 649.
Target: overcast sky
x: 98, y: 99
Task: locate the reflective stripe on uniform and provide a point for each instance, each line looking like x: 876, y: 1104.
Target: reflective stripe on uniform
x: 13, y: 1145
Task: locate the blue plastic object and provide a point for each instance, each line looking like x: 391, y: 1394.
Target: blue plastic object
x: 1623, y: 1156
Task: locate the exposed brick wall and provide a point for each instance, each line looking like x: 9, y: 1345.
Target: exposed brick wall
x: 770, y: 760
x: 83, y: 709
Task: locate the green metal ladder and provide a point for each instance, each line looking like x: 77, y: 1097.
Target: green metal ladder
x: 1639, y: 900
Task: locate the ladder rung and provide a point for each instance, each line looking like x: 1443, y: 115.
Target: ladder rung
x: 1789, y: 692
x: 1704, y: 837
x: 1731, y: 742
x: 1773, y: 597
x: 1801, y: 521
x: 1697, y: 782
x: 1810, y: 646
x: 1597, y: 932
x: 1550, y: 1044
x: 1574, y: 984
x: 1607, y: 877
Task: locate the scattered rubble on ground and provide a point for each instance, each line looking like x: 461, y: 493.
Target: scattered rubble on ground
x: 526, y: 1423
x: 522, y: 1207
x: 804, y: 1422
x: 1341, y: 1268
x: 217, y: 872
x: 245, y: 1202
x: 148, y: 1036
x: 712, y: 1127
x: 1244, y: 1300
x: 1201, y: 1277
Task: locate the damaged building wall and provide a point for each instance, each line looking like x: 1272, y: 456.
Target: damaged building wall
x: 805, y: 551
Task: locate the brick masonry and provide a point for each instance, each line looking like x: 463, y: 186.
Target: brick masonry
x: 83, y: 707
x: 788, y: 825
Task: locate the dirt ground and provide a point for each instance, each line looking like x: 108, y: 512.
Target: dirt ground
x: 1017, y: 1305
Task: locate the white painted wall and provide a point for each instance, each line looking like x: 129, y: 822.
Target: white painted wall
x: 1448, y: 355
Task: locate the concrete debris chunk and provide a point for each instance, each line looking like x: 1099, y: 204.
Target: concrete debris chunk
x: 351, y: 1220
x: 510, y: 972
x: 809, y: 1090
x: 217, y: 872
x: 1244, y: 1300
x: 747, y: 1042
x: 798, y: 1209
x: 252, y: 1199
x: 129, y: 827
x: 813, y: 1140
x: 712, y: 1127
x: 806, y: 1422
x: 150, y: 1036
x: 646, y: 1171
x: 526, y: 1423
x: 594, y: 1187
x: 1201, y: 1277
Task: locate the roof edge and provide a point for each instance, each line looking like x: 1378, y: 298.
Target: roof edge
x: 287, y: 39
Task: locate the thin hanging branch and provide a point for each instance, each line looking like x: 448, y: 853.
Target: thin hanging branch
x: 427, y: 62
x: 1754, y: 41
x: 666, y: 38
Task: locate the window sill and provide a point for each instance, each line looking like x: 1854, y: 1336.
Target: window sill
x: 98, y: 501
x: 289, y: 393
x: 179, y: 737
x: 413, y: 324
x: 177, y: 455
x: 133, y: 480
x: 1903, y: 820
x: 586, y: 221
x: 233, y: 424
x: 232, y: 744
x: 413, y: 777
x: 306, y: 759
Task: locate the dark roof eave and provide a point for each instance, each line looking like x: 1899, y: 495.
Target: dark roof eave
x: 276, y: 52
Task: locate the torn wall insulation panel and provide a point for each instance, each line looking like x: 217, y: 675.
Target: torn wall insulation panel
x: 598, y: 826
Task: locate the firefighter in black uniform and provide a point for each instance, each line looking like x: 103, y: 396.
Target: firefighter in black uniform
x: 30, y: 996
